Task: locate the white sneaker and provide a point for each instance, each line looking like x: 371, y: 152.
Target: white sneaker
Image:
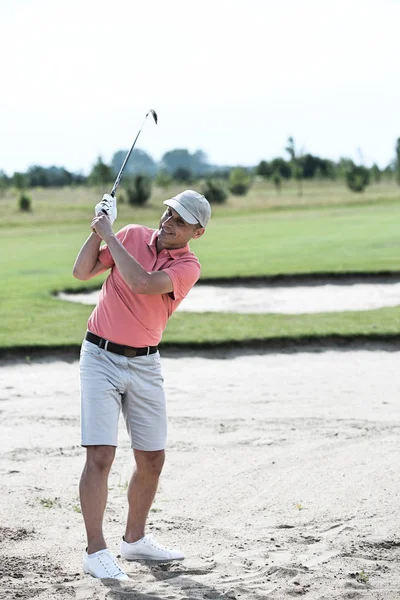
x: 148, y: 549
x: 103, y: 565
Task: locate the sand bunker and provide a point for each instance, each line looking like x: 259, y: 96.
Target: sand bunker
x: 281, y: 481
x: 283, y: 300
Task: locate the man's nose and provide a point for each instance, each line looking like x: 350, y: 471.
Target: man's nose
x: 169, y: 217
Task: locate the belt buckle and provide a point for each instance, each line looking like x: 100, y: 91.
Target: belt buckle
x: 130, y: 352
x: 103, y: 344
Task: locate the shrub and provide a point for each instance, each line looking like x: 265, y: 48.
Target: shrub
x: 24, y: 203
x: 357, y: 178
x: 264, y: 169
x: 101, y: 174
x: 19, y: 180
x: 375, y: 173
x: 138, y: 190
x: 163, y: 179
x: 182, y: 175
x: 277, y: 181
x: 239, y: 181
x: 214, y: 190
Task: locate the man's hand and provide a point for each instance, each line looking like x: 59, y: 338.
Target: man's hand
x: 108, y: 206
x: 102, y: 226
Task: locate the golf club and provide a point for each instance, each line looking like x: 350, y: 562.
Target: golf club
x: 154, y: 115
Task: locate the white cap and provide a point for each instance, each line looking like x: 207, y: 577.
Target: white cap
x: 191, y: 206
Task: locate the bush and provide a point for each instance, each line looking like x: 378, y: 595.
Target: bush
x: 357, y: 178
x: 138, y: 190
x: 283, y: 168
x: 239, y: 181
x: 264, y: 169
x: 183, y: 175
x: 163, y: 179
x: 277, y: 181
x: 19, y: 180
x: 24, y: 203
x: 214, y: 191
x: 101, y: 174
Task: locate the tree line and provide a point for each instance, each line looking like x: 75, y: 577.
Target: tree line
x: 182, y: 166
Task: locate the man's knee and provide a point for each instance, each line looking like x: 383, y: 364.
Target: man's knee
x: 100, y: 457
x: 149, y: 463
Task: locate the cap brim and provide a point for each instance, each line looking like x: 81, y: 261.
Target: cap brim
x: 182, y: 211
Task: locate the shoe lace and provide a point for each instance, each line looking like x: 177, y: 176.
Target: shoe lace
x: 110, y: 564
x: 156, y: 545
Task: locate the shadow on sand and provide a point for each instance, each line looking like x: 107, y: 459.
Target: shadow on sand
x: 183, y: 586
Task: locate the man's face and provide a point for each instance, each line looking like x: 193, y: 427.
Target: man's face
x: 174, y: 232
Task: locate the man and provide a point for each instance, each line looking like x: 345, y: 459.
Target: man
x: 151, y: 273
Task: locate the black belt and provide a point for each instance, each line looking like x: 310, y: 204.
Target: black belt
x: 118, y: 348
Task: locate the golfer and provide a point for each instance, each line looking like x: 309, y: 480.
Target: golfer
x: 151, y: 272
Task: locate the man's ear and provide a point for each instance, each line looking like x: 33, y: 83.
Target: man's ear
x: 198, y: 233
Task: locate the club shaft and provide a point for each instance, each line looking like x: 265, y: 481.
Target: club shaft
x: 130, y: 151
x: 126, y: 160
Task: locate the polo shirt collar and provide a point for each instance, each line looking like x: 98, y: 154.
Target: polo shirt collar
x: 173, y: 252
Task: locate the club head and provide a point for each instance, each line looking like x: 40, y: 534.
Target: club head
x: 154, y: 115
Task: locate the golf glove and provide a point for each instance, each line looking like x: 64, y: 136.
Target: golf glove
x: 107, y: 205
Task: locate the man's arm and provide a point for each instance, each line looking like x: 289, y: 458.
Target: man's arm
x: 132, y: 272
x: 87, y: 264
x: 137, y: 278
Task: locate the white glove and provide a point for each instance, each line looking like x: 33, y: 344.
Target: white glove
x: 107, y: 205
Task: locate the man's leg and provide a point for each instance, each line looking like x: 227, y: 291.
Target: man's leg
x: 141, y: 491
x: 93, y: 493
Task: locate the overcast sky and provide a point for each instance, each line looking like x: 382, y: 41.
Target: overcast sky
x: 234, y: 78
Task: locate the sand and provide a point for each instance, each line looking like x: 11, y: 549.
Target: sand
x: 286, y: 300
x: 281, y: 480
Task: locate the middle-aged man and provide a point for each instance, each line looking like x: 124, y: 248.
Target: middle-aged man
x: 151, y: 273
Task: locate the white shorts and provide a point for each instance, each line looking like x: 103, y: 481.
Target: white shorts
x: 110, y: 382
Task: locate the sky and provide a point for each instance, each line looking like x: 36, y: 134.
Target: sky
x: 233, y: 78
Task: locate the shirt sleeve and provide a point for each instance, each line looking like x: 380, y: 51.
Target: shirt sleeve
x: 184, y: 275
x: 104, y: 253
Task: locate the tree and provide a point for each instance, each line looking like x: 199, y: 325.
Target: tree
x: 398, y: 160
x: 313, y: 166
x: 181, y: 158
x: 24, y: 203
x: 19, y: 180
x: 390, y: 170
x: 162, y: 179
x: 291, y: 149
x: 277, y: 181
x: 375, y: 173
x: 296, y: 167
x: 4, y: 181
x: 344, y: 165
x: 100, y: 174
x: 138, y: 190
x: 357, y: 178
x: 139, y: 163
x: 239, y: 181
x: 38, y: 176
x: 282, y: 167
x: 200, y: 163
x: 214, y: 190
x: 264, y: 169
x: 182, y: 175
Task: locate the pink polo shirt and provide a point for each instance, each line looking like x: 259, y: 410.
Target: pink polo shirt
x: 125, y: 317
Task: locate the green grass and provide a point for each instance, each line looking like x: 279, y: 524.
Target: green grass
x: 327, y: 230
